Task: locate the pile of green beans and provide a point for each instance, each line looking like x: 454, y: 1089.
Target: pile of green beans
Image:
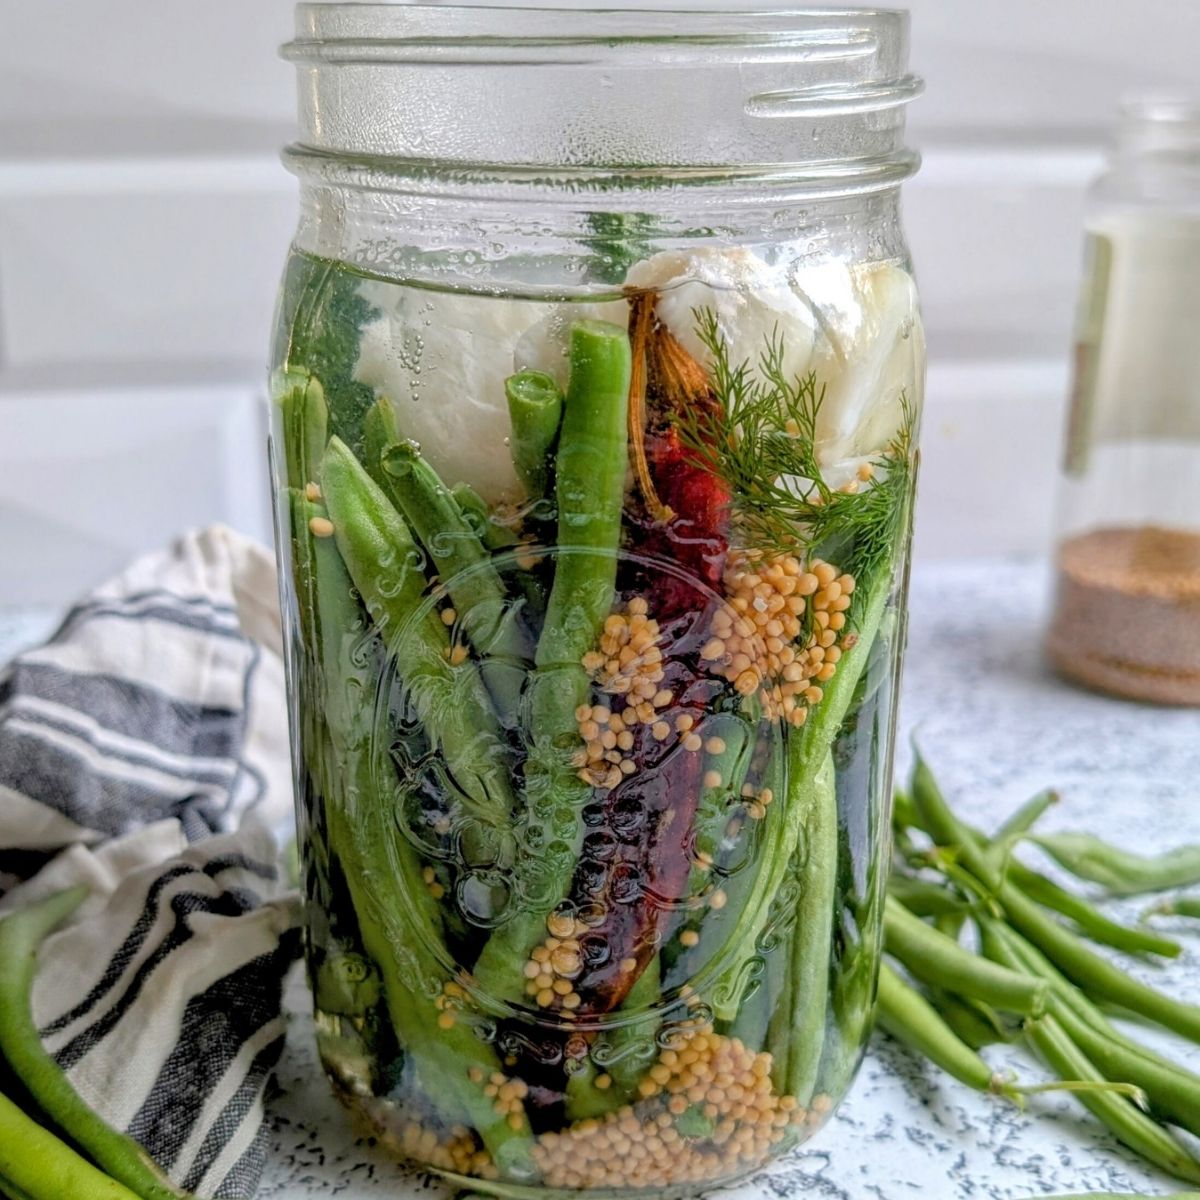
x: 1034, y: 978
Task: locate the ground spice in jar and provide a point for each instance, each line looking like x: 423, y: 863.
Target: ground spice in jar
x: 1127, y: 618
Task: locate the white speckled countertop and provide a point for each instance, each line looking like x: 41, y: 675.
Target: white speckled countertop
x: 996, y: 729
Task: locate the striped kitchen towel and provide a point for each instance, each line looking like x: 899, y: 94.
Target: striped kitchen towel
x: 143, y: 751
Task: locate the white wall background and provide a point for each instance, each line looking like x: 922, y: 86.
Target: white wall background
x: 144, y: 218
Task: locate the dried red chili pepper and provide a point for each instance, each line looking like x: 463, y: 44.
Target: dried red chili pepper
x: 637, y: 850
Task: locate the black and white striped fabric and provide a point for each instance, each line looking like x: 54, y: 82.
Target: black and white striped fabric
x: 143, y: 751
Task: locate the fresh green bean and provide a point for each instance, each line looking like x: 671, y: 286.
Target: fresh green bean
x: 465, y: 566
x: 451, y: 701
x: 535, y: 405
x: 35, y: 1165
x: 976, y: 1024
x: 937, y: 960
x: 1101, y: 978
x: 21, y: 933
x: 590, y: 487
x: 1172, y: 1093
x: 398, y: 917
x: 1024, y: 818
x: 304, y: 420
x: 1180, y: 906
x: 924, y: 898
x: 1122, y: 1117
x: 1090, y: 921
x: 911, y: 1019
x: 1119, y: 871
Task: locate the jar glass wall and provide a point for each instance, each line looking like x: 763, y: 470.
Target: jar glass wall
x: 1127, y: 618
x: 593, y: 486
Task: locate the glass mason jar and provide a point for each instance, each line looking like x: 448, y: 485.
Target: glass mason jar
x: 1127, y: 611
x: 598, y: 368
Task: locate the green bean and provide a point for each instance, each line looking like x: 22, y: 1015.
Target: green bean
x: 937, y: 960
x: 21, y: 933
x: 807, y: 750
x: 1180, y: 906
x: 1101, y: 978
x: 475, y: 588
x: 976, y: 1024
x: 475, y: 512
x: 450, y: 700
x: 812, y: 943
x: 624, y: 1053
x: 398, y: 917
x: 380, y: 430
x: 1069, y: 1062
x: 924, y: 898
x: 35, y: 1165
x: 1172, y: 1093
x: 1122, y: 1117
x: 911, y: 1019
x: 304, y: 422
x: 1024, y: 818
x: 1119, y: 871
x: 1088, y: 918
x: 590, y: 487
x: 535, y: 406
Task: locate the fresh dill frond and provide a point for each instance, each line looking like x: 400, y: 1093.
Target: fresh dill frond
x: 760, y: 439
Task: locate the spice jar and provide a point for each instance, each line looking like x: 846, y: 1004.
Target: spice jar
x: 597, y: 377
x: 1127, y: 613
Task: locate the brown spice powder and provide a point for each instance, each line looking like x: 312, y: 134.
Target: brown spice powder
x: 1127, y: 618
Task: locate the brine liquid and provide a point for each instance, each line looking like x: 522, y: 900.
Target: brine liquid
x: 672, y: 1025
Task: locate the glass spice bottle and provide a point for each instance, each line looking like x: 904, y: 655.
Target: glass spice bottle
x: 1127, y: 611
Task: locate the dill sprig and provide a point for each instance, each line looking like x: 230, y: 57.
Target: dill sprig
x: 760, y: 438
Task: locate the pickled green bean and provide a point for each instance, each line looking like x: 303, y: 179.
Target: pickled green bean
x: 535, y: 405
x: 465, y: 566
x: 384, y: 564
x: 590, y: 488
x: 304, y: 420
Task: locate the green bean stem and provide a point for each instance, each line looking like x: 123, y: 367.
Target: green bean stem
x: 451, y: 701
x: 21, y: 933
x: 1101, y: 978
x: 1119, y: 871
x: 911, y: 1019
x: 941, y: 962
x: 535, y: 406
x: 465, y: 566
x: 590, y: 487
x: 35, y: 1165
x: 1179, y: 906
